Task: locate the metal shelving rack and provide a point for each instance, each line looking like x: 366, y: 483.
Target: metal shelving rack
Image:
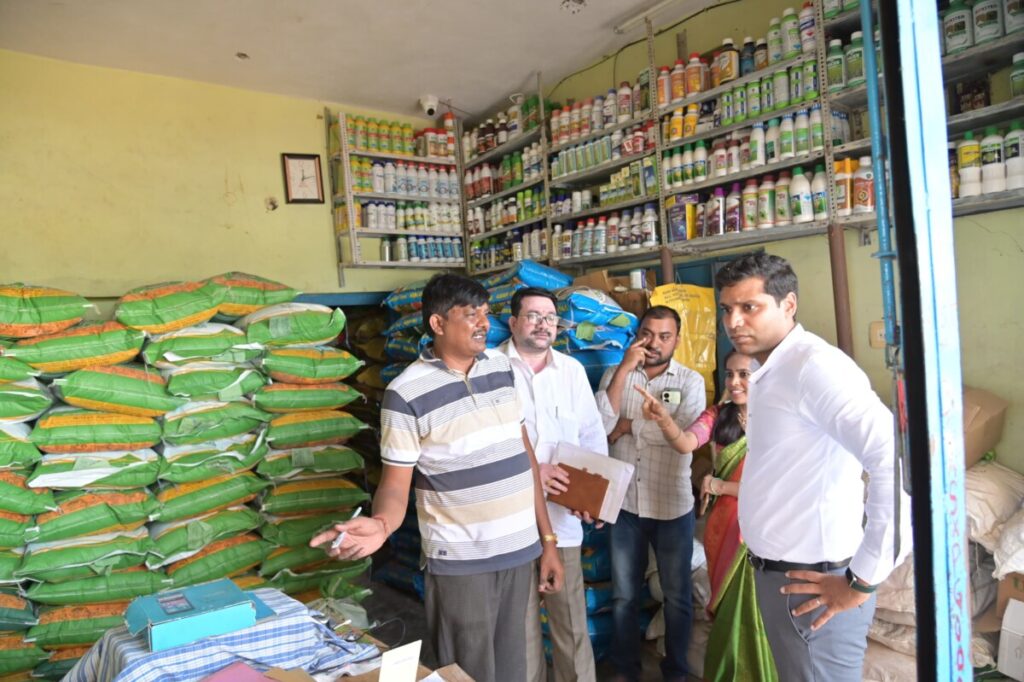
x: 345, y: 201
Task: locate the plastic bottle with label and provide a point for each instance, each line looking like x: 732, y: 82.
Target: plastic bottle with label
x: 1017, y: 75
x: 676, y: 168
x: 802, y: 133
x: 766, y: 202
x: 775, y: 41
x: 691, y: 119
x: 753, y: 99
x: 993, y: 168
x: 728, y: 62
x: 625, y: 102
x: 988, y: 20
x: 844, y: 186
x: 757, y: 145
x: 1013, y: 147
x: 808, y: 29
x: 664, y: 86
x: 649, y: 226
x: 687, y: 80
x: 864, y: 187
x: 817, y: 129
x: 835, y: 66
x: 855, y: 60
x: 790, y: 33
x: 675, y: 126
x: 1013, y: 16
x: 719, y: 159
x: 780, y: 88
x: 760, y: 54
x: 767, y: 93
x: 810, y: 79
x: 748, y: 213
x: 831, y: 8
x: 958, y: 27
x: 732, y: 156
x: 968, y: 156
x: 771, y: 142
x: 687, y: 165
x: 801, y: 199
x: 787, y: 138
x: 725, y: 108
x: 796, y: 84
x: 819, y: 193
x: 783, y: 208
x: 700, y: 162
x: 739, y: 104
x: 636, y: 230
x: 747, y: 56
x: 612, y: 237
x: 733, y: 209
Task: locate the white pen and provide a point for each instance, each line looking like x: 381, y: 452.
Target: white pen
x: 341, y: 536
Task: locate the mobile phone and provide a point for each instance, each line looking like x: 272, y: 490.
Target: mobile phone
x: 671, y: 397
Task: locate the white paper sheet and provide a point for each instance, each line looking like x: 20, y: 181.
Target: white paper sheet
x: 618, y: 473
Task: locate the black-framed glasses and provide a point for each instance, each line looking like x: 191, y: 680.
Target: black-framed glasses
x: 537, y: 318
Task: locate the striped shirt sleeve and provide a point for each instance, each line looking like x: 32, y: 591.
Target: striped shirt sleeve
x: 399, y: 438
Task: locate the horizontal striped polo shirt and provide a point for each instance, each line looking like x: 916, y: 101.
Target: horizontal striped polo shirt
x: 474, y: 484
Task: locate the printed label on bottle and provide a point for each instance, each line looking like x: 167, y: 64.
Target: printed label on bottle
x: 820, y: 202
x: 992, y: 154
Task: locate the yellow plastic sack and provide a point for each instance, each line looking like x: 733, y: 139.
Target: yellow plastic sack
x: 697, y: 335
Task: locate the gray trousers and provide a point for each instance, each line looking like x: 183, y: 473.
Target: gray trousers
x: 477, y: 622
x: 835, y: 653
x: 572, y: 655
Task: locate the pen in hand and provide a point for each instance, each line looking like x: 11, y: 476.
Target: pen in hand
x: 341, y: 536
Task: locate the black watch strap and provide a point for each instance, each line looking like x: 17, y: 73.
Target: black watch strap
x: 856, y: 584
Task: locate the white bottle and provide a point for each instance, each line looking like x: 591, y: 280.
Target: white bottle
x: 802, y: 133
x: 801, y: 202
x: 700, y: 162
x: 766, y: 203
x: 771, y: 142
x: 988, y: 20
x: 819, y: 194
x: 757, y: 157
x: 864, y: 187
x: 775, y: 41
x: 649, y: 226
x: 790, y: 33
x: 1013, y: 146
x: 378, y: 178
x: 612, y: 236
x: 636, y: 230
x: 390, y: 178
x: 787, y: 150
x: 817, y: 129
x: 432, y: 185
x: 1013, y: 16
x: 600, y: 238
x: 968, y: 152
x: 783, y: 207
x: 687, y: 166
x: 808, y: 32
x: 993, y: 170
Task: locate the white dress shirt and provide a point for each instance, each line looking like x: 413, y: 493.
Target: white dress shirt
x: 661, y: 487
x: 558, y: 406
x: 813, y: 425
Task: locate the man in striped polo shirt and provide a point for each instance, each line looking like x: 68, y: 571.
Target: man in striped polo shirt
x: 454, y: 417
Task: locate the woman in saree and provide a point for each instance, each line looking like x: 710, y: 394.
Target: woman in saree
x: 737, y: 646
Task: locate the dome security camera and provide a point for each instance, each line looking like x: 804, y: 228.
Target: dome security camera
x: 429, y: 104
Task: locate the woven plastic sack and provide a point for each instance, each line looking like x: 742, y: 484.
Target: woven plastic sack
x: 308, y: 462
x: 295, y: 531
x: 22, y: 401
x: 220, y: 381
x: 306, y: 429
x: 245, y: 294
x: 294, y: 324
x: 16, y: 450
x: 16, y: 612
x: 70, y: 627
x: 407, y: 298
x: 165, y: 307
x: 82, y: 512
x: 319, y: 365
x: 297, y: 559
x: 183, y: 538
x: 402, y: 348
x: 182, y: 500
x: 84, y: 557
x: 220, y: 559
x: 17, y: 655
x: 187, y: 463
x: 406, y: 324
x: 250, y: 581
x: 12, y: 369
x: 72, y: 429
x: 10, y: 559
x: 27, y: 310
x: 583, y: 304
x: 201, y: 422
x: 117, y: 470
x: 290, y: 582
x: 87, y: 345
x: 12, y: 530
x: 60, y: 663
x: 373, y: 349
x: 313, y: 495
x: 119, y: 585
x: 17, y: 497
x: 698, y: 312
x: 124, y: 389
x: 389, y: 373
x: 595, y: 362
x: 209, y: 342
x: 531, y: 274
x: 500, y: 296
x: 587, y: 336
x: 279, y: 398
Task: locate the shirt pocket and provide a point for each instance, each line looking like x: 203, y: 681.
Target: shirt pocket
x: 568, y: 428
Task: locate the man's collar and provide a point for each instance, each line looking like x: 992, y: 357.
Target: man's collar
x: 429, y: 356
x: 510, y: 349
x: 794, y: 335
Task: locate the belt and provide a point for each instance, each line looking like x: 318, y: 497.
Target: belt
x: 782, y: 566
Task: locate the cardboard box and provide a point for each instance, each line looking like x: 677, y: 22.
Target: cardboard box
x: 1010, y: 587
x: 181, y: 616
x: 1011, y: 642
x: 449, y: 673
x: 984, y: 418
x: 635, y: 301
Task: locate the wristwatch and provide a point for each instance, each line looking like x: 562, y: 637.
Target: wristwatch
x: 550, y: 537
x: 857, y: 584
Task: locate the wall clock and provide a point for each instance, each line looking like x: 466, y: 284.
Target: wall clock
x: 302, y: 179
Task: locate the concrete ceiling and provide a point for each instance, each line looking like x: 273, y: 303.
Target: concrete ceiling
x: 380, y: 54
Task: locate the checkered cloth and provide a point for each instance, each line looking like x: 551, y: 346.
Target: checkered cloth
x: 292, y: 639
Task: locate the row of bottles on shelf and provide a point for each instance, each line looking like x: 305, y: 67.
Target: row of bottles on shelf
x: 844, y: 66
x: 637, y: 139
x: 522, y: 117
x: 638, y: 180
x: 513, y: 170
x: 966, y: 24
x: 524, y: 205
x: 409, y: 215
x: 421, y: 249
x: 788, y: 137
x: 422, y: 180
x: 602, y: 235
x: 783, y: 89
x: 788, y: 37
x: 992, y: 164
x: 512, y: 247
x: 391, y: 137
x: 572, y: 122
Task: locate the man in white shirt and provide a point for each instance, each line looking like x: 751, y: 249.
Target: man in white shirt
x: 558, y: 406
x: 813, y: 426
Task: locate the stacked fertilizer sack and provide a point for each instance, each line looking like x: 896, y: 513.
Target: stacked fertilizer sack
x: 73, y: 534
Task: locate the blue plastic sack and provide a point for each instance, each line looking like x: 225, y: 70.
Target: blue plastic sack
x: 531, y: 274
x: 400, y: 577
x: 583, y: 304
x: 586, y: 336
x: 406, y: 299
x: 405, y: 323
x: 402, y: 348
x: 596, y: 564
x: 498, y: 334
x: 501, y: 295
x: 598, y: 538
x: 390, y: 372
x: 595, y: 362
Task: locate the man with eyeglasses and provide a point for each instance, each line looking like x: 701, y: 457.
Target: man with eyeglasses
x: 558, y: 406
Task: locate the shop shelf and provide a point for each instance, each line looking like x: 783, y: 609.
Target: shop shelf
x: 751, y: 173
x: 599, y: 171
x: 858, y: 221
x: 422, y: 265
x: 379, y: 232
x: 749, y: 238
x: 985, y: 203
x: 513, y: 145
x: 496, y: 268
x: 852, y: 98
x: 483, y: 201
x: 724, y: 130
x: 853, y: 148
x: 843, y: 24
x: 506, y: 228
x: 998, y: 114
x: 426, y: 160
x: 601, y: 210
x: 597, y: 134
x: 630, y: 255
x: 383, y: 196
x: 981, y: 59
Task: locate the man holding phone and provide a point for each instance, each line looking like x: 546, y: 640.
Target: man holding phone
x: 658, y: 508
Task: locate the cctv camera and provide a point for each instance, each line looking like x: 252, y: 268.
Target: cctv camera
x: 429, y: 105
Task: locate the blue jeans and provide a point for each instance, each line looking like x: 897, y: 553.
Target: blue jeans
x: 673, y: 548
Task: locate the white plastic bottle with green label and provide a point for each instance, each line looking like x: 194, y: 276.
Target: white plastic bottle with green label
x: 767, y: 93
x: 958, y: 27
x: 832, y: 8
x: 700, y: 162
x: 1017, y: 75
x: 817, y: 129
x: 808, y: 29
x: 810, y: 80
x: 725, y: 108
x: 1013, y: 147
x: 775, y: 48
x: 780, y: 88
x: 754, y: 99
x: 687, y: 169
x: 801, y: 201
x: 739, y: 104
x: 855, y: 60
x: 790, y: 33
x: 802, y: 133
x: 783, y: 210
x: 988, y: 20
x: 1013, y: 16
x: 771, y: 141
x: 835, y: 66
x: 787, y: 142
x: 819, y: 193
x: 757, y: 151
x: 766, y: 202
x: 993, y: 170
x: 968, y: 161
x: 796, y: 84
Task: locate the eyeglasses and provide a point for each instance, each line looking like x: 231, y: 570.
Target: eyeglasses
x: 537, y: 318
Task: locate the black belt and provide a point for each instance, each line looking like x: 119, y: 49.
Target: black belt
x: 782, y: 566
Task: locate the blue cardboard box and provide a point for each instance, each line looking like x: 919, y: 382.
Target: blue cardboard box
x: 180, y: 616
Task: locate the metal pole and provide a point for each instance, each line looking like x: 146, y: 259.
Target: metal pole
x: 840, y: 287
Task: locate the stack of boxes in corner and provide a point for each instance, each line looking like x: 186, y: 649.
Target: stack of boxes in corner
x: 74, y: 546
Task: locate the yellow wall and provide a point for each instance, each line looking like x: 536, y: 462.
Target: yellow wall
x: 112, y: 179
